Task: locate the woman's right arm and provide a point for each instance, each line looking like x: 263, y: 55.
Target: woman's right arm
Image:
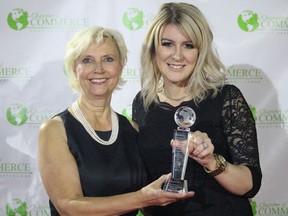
x: 60, y: 176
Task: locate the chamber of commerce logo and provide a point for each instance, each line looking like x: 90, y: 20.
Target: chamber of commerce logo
x: 16, y: 207
x: 14, y: 73
x: 15, y: 170
x: 17, y: 114
x: 131, y: 75
x: 269, y: 209
x: 270, y: 118
x: 133, y: 19
x: 248, y: 21
x: 243, y: 74
x: 18, y: 19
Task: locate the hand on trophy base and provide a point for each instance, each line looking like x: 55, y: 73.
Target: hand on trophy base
x: 175, y: 185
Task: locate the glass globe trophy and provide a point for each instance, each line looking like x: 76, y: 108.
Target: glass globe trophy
x: 184, y: 117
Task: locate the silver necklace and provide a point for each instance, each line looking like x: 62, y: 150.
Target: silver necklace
x: 81, y: 118
x: 174, y: 99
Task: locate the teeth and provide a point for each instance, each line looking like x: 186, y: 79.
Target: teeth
x: 176, y: 66
x: 98, y: 80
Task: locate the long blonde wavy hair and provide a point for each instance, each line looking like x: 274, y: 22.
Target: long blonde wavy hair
x: 208, y: 73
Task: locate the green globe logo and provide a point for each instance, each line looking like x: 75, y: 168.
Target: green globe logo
x: 248, y: 21
x: 133, y: 19
x: 17, y: 114
x: 18, y: 19
x: 16, y: 208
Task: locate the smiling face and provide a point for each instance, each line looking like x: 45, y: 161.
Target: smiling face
x: 176, y: 56
x: 98, y: 69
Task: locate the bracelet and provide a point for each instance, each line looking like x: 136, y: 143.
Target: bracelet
x: 221, y: 165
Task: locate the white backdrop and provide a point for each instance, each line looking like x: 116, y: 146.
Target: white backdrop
x: 252, y: 41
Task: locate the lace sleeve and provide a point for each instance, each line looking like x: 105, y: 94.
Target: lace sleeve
x: 239, y: 128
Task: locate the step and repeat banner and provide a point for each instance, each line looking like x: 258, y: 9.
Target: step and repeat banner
x: 251, y: 38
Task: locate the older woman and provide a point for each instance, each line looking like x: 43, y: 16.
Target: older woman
x: 88, y: 154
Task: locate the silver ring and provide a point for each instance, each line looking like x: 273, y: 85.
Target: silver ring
x: 205, y: 145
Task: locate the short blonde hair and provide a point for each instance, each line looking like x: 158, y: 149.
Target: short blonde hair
x: 80, y: 43
x: 208, y: 72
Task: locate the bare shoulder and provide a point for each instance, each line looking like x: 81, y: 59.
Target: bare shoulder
x: 51, y: 125
x: 52, y: 132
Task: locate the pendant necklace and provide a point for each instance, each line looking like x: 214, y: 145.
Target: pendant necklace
x: 81, y: 118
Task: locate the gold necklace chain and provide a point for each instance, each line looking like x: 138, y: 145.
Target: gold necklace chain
x: 81, y: 118
x: 174, y: 99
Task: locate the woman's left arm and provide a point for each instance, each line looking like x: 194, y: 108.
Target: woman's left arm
x: 243, y: 175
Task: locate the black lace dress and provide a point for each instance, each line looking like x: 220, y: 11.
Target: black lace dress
x: 229, y: 123
x: 105, y: 170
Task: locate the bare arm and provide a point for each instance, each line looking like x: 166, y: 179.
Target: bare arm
x: 61, y: 180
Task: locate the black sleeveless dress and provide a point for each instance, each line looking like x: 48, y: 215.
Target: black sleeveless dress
x: 229, y: 123
x: 105, y: 170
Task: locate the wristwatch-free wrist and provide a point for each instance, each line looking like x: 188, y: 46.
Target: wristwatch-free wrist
x: 221, y: 165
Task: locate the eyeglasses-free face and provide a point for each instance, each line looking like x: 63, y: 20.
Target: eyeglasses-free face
x: 98, y: 69
x: 88, y: 62
x: 176, y: 55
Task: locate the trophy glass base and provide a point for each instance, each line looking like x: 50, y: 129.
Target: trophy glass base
x: 175, y: 185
